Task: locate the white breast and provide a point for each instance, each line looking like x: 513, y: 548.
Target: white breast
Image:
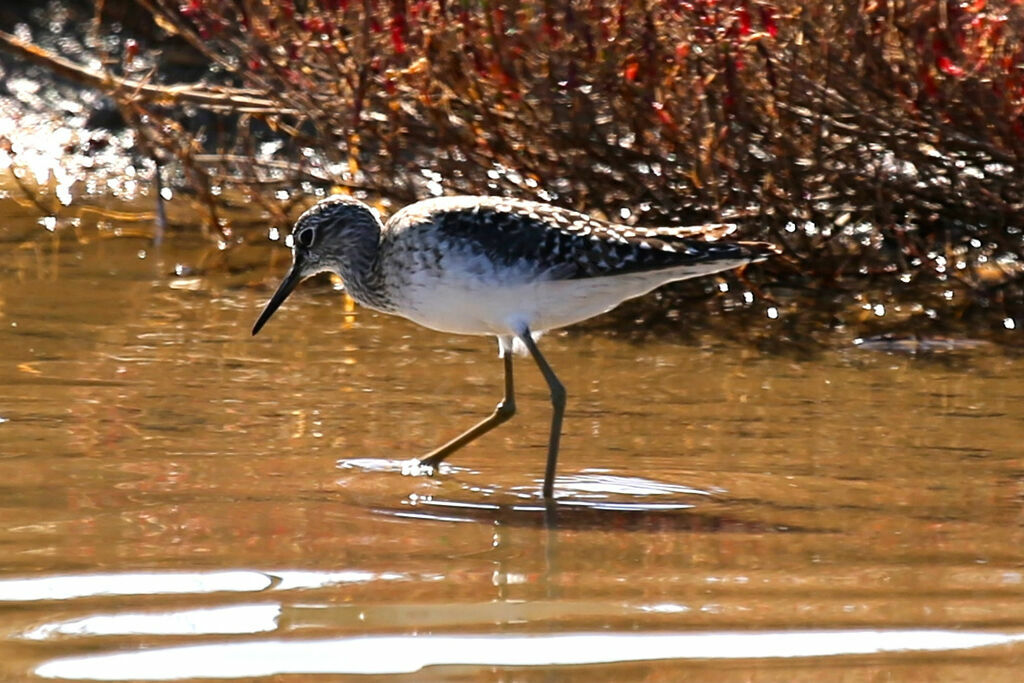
x: 476, y: 298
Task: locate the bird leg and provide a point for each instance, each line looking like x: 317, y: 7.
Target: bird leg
x: 505, y: 409
x: 558, y: 409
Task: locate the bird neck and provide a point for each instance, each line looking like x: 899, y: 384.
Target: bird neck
x: 360, y: 268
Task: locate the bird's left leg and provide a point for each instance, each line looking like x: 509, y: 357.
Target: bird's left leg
x: 505, y: 409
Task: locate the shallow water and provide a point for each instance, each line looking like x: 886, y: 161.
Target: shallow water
x: 181, y: 500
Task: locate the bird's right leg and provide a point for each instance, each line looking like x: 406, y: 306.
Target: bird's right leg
x: 557, y: 411
x: 505, y: 409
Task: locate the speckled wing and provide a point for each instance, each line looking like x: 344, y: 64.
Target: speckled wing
x: 565, y: 244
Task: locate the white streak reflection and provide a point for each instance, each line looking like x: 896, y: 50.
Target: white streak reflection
x: 140, y: 583
x: 209, y: 621
x: 409, y: 654
x: 296, y: 579
x: 69, y: 586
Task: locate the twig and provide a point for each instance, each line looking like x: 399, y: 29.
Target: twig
x: 232, y: 99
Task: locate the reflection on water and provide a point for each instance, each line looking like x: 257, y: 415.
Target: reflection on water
x: 164, y: 583
x: 214, y: 620
x: 377, y: 655
x: 180, y: 499
x: 66, y: 587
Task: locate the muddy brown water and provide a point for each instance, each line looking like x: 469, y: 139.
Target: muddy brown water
x: 180, y: 500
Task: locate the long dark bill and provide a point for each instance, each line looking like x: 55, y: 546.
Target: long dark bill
x: 290, y: 282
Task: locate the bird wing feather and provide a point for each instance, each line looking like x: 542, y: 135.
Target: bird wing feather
x: 562, y: 244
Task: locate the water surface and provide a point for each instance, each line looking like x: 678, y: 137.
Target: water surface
x: 180, y: 499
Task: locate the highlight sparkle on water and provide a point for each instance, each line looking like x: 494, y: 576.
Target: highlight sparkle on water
x: 410, y: 654
x: 236, y: 619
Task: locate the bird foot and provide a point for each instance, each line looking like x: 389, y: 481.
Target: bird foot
x: 416, y: 468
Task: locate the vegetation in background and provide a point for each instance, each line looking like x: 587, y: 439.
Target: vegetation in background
x: 879, y: 142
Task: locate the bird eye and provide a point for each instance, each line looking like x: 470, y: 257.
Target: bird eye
x: 305, y: 237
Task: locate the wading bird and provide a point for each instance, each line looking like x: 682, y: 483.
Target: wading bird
x: 494, y: 266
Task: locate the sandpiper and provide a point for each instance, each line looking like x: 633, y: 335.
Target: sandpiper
x: 496, y: 266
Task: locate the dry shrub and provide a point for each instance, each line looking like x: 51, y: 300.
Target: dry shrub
x: 890, y: 113
x: 878, y: 138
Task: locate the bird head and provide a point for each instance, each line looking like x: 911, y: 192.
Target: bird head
x: 337, y: 234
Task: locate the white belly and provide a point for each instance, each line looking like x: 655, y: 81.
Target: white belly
x: 478, y: 305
